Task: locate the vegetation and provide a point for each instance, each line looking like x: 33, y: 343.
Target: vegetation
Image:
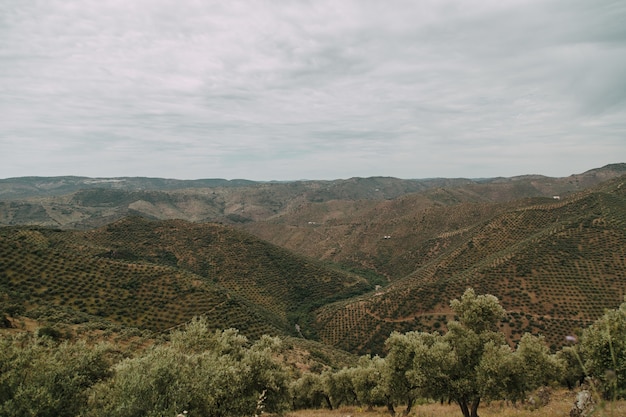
x: 41, y: 377
x: 469, y: 363
x: 223, y: 374
x: 366, y: 255
x: 554, y: 265
x: 111, y: 310
x: 203, y: 372
x: 603, y: 352
x: 157, y: 275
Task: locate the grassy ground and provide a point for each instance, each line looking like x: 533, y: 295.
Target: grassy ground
x: 559, y: 406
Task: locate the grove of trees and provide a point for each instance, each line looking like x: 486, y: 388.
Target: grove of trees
x: 223, y: 374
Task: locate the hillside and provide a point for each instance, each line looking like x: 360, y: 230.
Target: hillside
x: 349, y: 261
x: 352, y: 232
x: 85, y: 203
x: 555, y: 266
x: 159, y: 274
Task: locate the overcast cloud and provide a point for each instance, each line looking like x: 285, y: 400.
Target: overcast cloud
x: 291, y: 89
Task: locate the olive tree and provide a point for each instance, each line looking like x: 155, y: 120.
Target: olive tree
x: 470, y: 362
x: 418, y: 364
x: 308, y: 392
x: 400, y: 387
x: 207, y: 373
x: 504, y: 373
x: 603, y: 351
x: 368, y: 381
x: 478, y: 319
x: 339, y: 387
x: 41, y: 377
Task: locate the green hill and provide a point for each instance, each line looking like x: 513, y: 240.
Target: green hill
x: 159, y: 274
x: 555, y: 266
x: 348, y: 261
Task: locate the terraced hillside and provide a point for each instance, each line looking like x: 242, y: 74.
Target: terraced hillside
x: 157, y: 275
x: 555, y: 265
x: 385, y: 236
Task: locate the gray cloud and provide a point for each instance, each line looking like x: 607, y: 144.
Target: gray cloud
x: 297, y: 89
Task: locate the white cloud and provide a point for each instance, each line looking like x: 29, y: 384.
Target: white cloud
x: 294, y: 89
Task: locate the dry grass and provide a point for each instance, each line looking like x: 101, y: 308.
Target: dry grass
x: 560, y: 405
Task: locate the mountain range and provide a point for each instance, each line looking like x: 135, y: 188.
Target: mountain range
x: 344, y: 262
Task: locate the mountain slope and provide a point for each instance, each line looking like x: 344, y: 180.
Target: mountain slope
x: 78, y: 202
x: 382, y: 235
x: 555, y: 266
x: 157, y: 275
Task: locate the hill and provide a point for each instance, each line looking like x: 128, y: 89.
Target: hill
x: 159, y: 274
x: 555, y: 266
x: 349, y: 261
x: 84, y: 203
x: 381, y: 235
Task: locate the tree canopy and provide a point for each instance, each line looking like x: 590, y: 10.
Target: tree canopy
x: 220, y: 373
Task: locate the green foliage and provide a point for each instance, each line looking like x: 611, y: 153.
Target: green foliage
x: 478, y: 313
x: 41, y: 378
x: 201, y: 371
x: 498, y: 374
x: 603, y: 351
x: 507, y: 374
x: 308, y: 392
x: 573, y: 371
x: 366, y: 381
x: 339, y: 387
x: 401, y: 384
x: 470, y: 362
x: 223, y: 374
x: 538, y: 366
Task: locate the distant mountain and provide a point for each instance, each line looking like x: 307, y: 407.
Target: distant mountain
x: 352, y: 232
x: 26, y: 187
x: 83, y: 203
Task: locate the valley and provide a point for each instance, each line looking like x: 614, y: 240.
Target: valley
x: 347, y: 261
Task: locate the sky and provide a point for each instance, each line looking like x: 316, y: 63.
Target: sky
x: 320, y: 89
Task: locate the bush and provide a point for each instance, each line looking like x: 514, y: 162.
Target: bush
x: 603, y: 351
x: 40, y: 378
x: 203, y: 372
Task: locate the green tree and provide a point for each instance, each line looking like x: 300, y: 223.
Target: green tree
x: 419, y: 364
x: 308, y: 392
x: 400, y: 387
x: 507, y: 374
x: 603, y: 350
x: 498, y: 373
x: 367, y: 380
x: 470, y: 362
x: 478, y: 319
x: 149, y: 385
x: 537, y: 366
x: 573, y: 372
x: 338, y: 386
x: 207, y: 373
x: 39, y: 377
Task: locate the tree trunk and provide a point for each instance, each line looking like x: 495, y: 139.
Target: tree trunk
x: 464, y: 408
x: 390, y: 408
x: 475, y: 407
x: 409, y: 406
x: 328, y: 402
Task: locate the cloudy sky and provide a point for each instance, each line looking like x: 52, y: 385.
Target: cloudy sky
x: 319, y: 89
